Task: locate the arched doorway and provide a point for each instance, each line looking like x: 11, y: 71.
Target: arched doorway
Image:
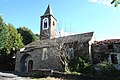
x: 30, y: 65
x: 23, y: 62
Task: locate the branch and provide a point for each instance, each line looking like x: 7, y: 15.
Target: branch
x: 112, y: 1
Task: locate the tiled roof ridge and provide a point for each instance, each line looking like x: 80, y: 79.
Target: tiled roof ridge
x: 107, y: 41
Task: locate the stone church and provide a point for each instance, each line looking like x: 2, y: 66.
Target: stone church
x: 48, y: 52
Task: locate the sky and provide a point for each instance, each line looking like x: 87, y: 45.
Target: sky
x: 73, y: 17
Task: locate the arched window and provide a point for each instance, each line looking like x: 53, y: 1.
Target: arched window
x: 30, y: 65
x: 70, y: 51
x: 44, y: 54
x: 45, y: 23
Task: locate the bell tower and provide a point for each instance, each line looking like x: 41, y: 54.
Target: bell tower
x: 48, y: 25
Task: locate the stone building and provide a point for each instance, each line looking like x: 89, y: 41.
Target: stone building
x: 50, y: 52
x: 107, y: 51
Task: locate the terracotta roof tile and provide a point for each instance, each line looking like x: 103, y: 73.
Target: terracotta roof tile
x: 107, y: 41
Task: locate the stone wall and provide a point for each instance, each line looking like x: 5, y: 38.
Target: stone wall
x: 107, y: 50
x: 47, y: 54
x: 51, y: 60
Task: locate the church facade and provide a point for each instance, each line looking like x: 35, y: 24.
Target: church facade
x: 50, y: 52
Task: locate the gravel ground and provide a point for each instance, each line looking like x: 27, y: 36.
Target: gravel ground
x: 10, y: 76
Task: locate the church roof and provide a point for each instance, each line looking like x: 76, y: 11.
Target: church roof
x: 81, y: 38
x: 48, y: 11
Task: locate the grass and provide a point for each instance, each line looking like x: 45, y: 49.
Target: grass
x: 72, y: 73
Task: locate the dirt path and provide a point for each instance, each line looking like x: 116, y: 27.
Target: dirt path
x: 10, y: 76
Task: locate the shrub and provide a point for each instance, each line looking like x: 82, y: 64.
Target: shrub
x: 107, y: 69
x: 81, y: 65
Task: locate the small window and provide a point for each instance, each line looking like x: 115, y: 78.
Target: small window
x: 110, y: 46
x: 44, y: 54
x: 45, y: 24
x: 70, y: 53
x: 53, y: 23
x: 114, y: 58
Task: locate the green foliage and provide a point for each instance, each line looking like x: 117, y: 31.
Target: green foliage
x: 26, y: 34
x: 9, y: 38
x: 36, y: 37
x: 116, y: 2
x: 105, y: 66
x: 81, y: 66
x: 107, y: 69
x: 3, y: 34
x: 10, y: 41
x: 15, y: 39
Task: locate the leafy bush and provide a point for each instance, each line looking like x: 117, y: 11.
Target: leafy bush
x: 107, y: 69
x: 80, y: 65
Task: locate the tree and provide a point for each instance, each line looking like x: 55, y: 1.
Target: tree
x: 26, y: 34
x: 3, y: 34
x: 116, y: 2
x: 36, y: 37
x: 10, y: 41
x: 63, y: 56
x: 15, y: 39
